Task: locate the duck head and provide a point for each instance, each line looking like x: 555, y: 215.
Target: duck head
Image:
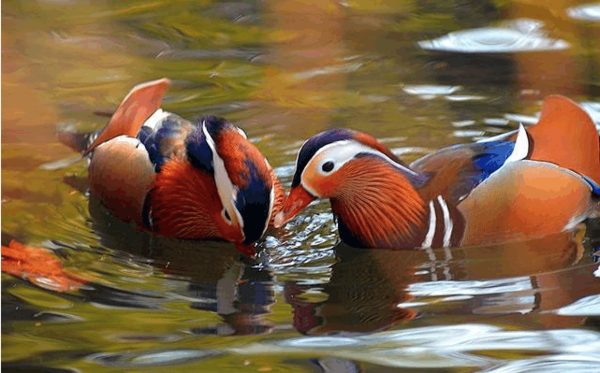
x: 222, y: 187
x: 340, y: 164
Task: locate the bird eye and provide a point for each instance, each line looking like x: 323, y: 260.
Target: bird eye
x: 327, y: 166
x: 226, y: 215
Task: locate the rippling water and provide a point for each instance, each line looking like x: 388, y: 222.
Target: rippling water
x: 419, y: 75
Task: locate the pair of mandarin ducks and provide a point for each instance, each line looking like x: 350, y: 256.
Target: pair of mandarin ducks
x: 206, y: 180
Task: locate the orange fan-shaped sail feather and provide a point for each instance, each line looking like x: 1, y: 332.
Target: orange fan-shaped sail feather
x: 141, y: 102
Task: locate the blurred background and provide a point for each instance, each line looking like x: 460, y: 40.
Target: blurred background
x: 417, y: 74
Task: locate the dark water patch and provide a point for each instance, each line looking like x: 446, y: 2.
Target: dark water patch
x: 32, y: 368
x: 147, y: 338
x: 15, y: 309
x: 474, y: 70
x: 104, y: 296
x: 247, y: 54
x: 52, y: 358
x: 238, y: 12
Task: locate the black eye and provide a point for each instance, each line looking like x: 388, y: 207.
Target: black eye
x: 226, y: 214
x: 327, y: 166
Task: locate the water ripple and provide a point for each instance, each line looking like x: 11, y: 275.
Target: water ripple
x: 522, y: 35
x: 520, y: 118
x: 443, y: 346
x: 445, y: 288
x: 316, y: 342
x: 430, y: 90
x: 151, y: 358
x: 550, y: 364
x: 588, y: 306
x: 585, y: 12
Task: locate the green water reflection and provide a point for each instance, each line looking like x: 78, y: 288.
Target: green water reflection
x: 284, y: 70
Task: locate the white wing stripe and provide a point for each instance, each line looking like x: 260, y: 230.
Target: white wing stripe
x: 227, y: 192
x: 431, y: 231
x: 521, y: 146
x: 448, y: 224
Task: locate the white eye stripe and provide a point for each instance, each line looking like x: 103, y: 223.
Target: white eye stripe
x: 227, y: 191
x: 340, y: 153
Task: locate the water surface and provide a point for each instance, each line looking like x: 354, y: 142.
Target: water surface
x: 419, y: 75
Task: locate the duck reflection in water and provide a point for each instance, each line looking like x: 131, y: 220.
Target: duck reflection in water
x: 534, y: 278
x: 375, y: 290
x: 363, y: 294
x: 219, y: 278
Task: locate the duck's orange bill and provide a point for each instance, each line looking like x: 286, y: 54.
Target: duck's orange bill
x: 295, y: 202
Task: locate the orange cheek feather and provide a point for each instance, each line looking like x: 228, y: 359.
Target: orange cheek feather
x: 185, y: 204
x: 363, y: 203
x: 324, y: 186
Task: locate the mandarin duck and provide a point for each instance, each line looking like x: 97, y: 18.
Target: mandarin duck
x: 188, y: 180
x: 530, y: 182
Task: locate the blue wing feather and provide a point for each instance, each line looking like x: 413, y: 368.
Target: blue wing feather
x: 490, y: 157
x: 470, y: 165
x: 166, y: 139
x: 174, y: 136
x: 487, y: 158
x: 595, y: 187
x: 198, y: 151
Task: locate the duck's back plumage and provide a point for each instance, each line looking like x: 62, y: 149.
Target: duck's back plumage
x: 197, y: 180
x: 545, y: 191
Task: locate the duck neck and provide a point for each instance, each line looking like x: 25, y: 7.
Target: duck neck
x: 378, y: 206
